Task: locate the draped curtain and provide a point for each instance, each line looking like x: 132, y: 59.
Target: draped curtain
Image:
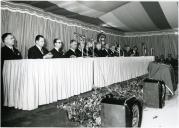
x: 25, y: 27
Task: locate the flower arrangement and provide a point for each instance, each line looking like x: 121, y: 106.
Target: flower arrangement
x: 86, y: 109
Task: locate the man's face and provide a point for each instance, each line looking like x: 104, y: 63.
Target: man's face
x: 58, y: 44
x: 40, y: 42
x: 107, y: 46
x: 113, y: 48
x: 127, y: 49
x: 102, y: 40
x: 74, y: 45
x: 82, y: 44
x: 89, y: 44
x: 98, y: 46
x: 9, y: 40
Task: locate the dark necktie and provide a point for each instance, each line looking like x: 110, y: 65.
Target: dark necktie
x: 42, y: 51
x: 12, y: 49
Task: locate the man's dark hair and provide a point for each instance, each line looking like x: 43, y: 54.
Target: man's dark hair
x: 3, y: 37
x: 135, y: 47
x: 71, y: 41
x: 38, y: 37
x: 55, y: 40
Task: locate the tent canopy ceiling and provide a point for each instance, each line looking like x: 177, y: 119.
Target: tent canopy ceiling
x: 121, y: 15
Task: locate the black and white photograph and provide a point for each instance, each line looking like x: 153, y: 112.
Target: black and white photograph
x: 94, y: 63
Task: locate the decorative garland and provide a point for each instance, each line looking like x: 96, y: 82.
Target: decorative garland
x: 86, y: 109
x: 26, y: 11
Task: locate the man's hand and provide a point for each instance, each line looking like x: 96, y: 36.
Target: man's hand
x: 72, y: 56
x: 48, y: 56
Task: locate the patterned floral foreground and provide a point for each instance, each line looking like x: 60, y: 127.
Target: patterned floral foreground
x: 86, y: 109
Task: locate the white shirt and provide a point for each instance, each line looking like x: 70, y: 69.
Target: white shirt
x: 72, y: 50
x: 40, y: 48
x: 57, y: 49
x: 10, y: 47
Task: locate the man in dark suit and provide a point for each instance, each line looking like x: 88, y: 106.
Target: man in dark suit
x: 71, y: 53
x: 88, y: 50
x: 39, y: 51
x: 127, y: 51
x: 112, y: 51
x: 98, y: 50
x: 135, y: 51
x: 8, y: 52
x: 105, y: 50
x: 78, y: 50
x: 57, y: 51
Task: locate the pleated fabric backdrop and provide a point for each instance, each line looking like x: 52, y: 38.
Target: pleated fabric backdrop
x: 162, y: 44
x: 26, y: 22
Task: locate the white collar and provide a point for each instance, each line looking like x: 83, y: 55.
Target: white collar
x: 9, y: 47
x: 40, y: 48
x: 72, y: 49
x: 79, y: 49
x: 57, y: 49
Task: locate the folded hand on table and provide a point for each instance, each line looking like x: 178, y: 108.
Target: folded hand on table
x: 47, y: 56
x: 72, y: 56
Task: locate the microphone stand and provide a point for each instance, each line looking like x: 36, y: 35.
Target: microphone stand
x: 93, y: 47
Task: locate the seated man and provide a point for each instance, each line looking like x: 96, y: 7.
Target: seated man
x: 127, y: 51
x: 71, y: 53
x: 162, y: 58
x: 119, y: 50
x: 57, y: 51
x: 134, y: 51
x: 8, y: 52
x: 112, y: 51
x: 98, y: 50
x: 171, y: 61
x: 88, y: 49
x: 106, y: 50
x: 39, y: 51
x: 79, y: 50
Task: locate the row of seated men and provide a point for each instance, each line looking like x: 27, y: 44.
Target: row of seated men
x: 38, y: 51
x: 169, y: 60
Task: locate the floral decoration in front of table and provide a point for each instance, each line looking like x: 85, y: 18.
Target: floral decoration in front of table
x: 86, y: 109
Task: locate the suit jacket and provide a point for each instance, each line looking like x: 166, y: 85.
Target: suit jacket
x: 35, y: 53
x: 129, y: 53
x: 57, y: 54
x: 98, y: 53
x: 134, y: 54
x: 113, y: 53
x: 78, y: 52
x: 90, y: 52
x: 69, y: 53
x: 8, y: 54
x: 105, y: 52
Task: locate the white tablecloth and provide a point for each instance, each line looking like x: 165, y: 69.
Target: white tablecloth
x: 30, y: 83
x: 117, y: 69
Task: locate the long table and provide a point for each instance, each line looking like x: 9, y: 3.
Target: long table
x: 29, y: 83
